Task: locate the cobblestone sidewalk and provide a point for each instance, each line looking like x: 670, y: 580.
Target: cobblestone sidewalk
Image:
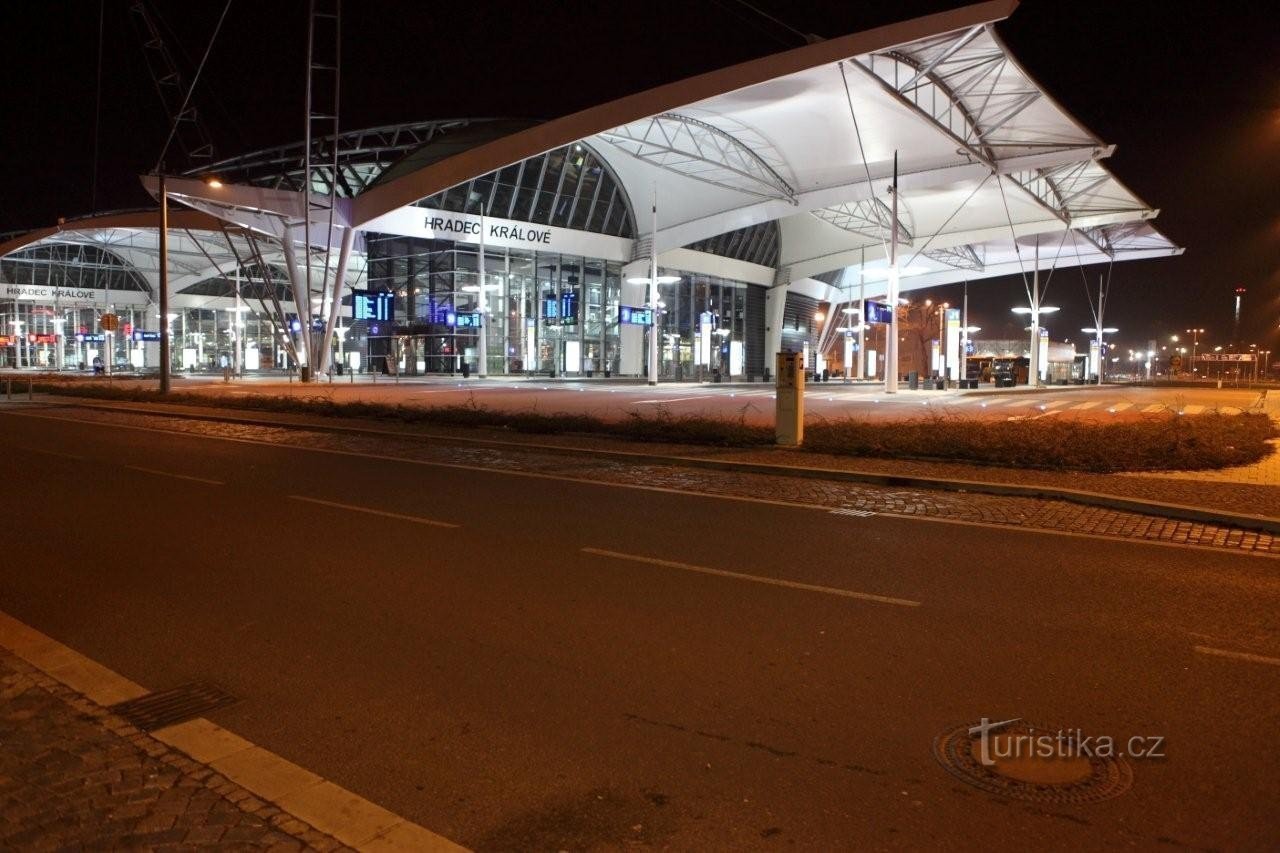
x: 75, y: 776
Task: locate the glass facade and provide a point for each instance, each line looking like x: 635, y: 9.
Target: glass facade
x: 549, y: 313
x: 569, y: 187
x: 704, y: 323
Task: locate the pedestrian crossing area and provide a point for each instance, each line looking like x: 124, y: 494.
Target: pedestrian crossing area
x: 1014, y: 405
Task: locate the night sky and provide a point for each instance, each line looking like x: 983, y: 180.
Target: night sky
x: 1189, y: 93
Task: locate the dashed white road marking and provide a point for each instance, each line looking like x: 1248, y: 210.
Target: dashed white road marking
x: 1027, y: 403
x: 1120, y: 407
x: 703, y: 570
x: 1053, y: 404
x: 1245, y: 656
x: 681, y: 492
x: 1192, y: 409
x: 57, y: 453
x: 160, y: 473
x: 674, y: 399
x: 1080, y: 407
x: 416, y: 519
x: 1153, y: 408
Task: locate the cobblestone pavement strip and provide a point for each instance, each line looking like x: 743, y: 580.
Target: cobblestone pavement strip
x: 1055, y: 515
x: 73, y: 776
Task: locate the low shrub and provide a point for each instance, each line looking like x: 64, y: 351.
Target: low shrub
x: 1164, y: 442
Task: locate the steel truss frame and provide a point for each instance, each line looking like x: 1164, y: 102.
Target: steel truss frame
x: 362, y: 156
x: 701, y: 151
x: 870, y: 217
x: 966, y: 257
x: 969, y: 97
x: 75, y: 260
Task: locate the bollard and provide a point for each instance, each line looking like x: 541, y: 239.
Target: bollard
x: 8, y: 389
x: 30, y: 384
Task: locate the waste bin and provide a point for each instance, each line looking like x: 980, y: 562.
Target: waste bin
x: 305, y: 372
x: 466, y: 369
x: 913, y: 380
x: 337, y: 367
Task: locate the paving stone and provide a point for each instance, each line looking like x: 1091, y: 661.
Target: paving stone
x: 71, y: 780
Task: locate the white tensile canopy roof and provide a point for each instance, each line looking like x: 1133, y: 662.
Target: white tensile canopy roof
x: 989, y: 165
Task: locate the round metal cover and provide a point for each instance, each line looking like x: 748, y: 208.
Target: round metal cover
x: 1063, y: 779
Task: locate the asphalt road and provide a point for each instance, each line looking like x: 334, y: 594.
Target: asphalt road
x: 498, y: 684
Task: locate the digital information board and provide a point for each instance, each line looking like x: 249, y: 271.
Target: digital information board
x: 631, y: 316
x: 877, y: 312
x: 377, y: 305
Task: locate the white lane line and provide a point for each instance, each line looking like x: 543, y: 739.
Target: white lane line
x: 1080, y: 407
x: 54, y: 453
x: 160, y: 473
x: 1014, y: 403
x: 1192, y: 409
x: 721, y: 573
x: 674, y: 399
x: 1120, y: 407
x: 1227, y: 653
x: 1153, y: 408
x: 416, y: 519
x: 667, y: 490
x: 1053, y: 404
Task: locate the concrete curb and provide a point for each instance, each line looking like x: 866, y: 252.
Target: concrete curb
x: 1204, y: 515
x: 327, y: 807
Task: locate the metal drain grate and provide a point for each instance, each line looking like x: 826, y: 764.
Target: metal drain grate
x: 1099, y: 779
x: 167, y: 707
x: 856, y: 513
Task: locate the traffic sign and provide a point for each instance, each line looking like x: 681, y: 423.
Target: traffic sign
x: 109, y: 322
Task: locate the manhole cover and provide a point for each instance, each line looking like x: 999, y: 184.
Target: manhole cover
x: 167, y: 707
x: 1026, y: 761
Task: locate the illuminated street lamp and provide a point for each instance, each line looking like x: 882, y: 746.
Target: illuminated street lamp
x: 1035, y: 310
x: 1195, y: 344
x: 653, y: 280
x: 1099, y: 332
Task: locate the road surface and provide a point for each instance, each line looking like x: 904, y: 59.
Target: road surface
x: 521, y: 661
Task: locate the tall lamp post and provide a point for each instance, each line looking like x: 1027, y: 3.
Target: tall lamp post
x: 1099, y: 332
x: 164, y: 285
x: 1195, y: 344
x: 655, y: 309
x: 1035, y: 310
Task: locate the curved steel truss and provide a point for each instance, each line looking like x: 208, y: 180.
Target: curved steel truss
x: 966, y: 257
x: 967, y: 85
x: 702, y: 151
x: 869, y: 218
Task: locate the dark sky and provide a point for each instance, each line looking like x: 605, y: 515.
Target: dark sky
x: 1189, y: 93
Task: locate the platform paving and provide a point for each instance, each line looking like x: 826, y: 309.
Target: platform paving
x: 75, y: 776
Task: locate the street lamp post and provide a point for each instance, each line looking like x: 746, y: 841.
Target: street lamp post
x: 1035, y: 310
x: 891, y: 336
x: 1100, y: 331
x: 1195, y: 344
x: 655, y: 306
x: 164, y: 284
